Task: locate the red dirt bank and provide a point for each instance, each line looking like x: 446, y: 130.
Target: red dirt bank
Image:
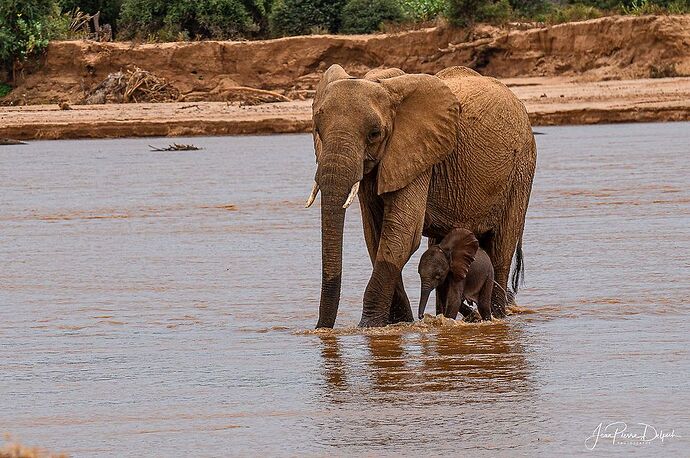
x: 619, y: 47
x: 565, y: 71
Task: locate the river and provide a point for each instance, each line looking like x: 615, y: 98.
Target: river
x: 162, y: 304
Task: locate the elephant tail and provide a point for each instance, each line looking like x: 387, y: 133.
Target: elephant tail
x: 519, y: 271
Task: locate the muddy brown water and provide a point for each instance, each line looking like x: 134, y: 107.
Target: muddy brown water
x: 161, y: 304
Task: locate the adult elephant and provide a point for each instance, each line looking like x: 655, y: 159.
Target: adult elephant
x: 425, y: 154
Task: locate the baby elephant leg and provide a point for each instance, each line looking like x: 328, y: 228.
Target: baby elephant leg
x: 441, y: 297
x: 453, y: 301
x: 484, y: 304
x: 469, y: 313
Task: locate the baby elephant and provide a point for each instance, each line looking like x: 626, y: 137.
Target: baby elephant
x: 458, y: 269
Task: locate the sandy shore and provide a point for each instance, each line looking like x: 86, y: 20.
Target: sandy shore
x: 549, y: 101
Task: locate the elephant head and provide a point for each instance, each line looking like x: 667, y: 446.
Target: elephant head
x: 453, y: 256
x: 434, y: 266
x: 387, y: 130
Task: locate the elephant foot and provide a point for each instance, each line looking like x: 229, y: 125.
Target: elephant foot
x: 473, y: 317
x: 372, y: 323
x: 498, y: 305
x: 498, y: 311
x: 401, y: 314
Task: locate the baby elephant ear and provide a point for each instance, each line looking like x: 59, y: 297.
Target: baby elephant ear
x: 463, y: 253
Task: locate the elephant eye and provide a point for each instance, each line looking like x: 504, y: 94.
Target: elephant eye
x: 374, y: 135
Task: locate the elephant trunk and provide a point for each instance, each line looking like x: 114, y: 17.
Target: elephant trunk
x: 332, y: 222
x: 337, y: 178
x: 423, y: 299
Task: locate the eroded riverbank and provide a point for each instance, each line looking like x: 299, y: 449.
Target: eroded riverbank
x: 549, y: 101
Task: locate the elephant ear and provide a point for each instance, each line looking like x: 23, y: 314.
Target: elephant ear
x: 463, y: 252
x: 425, y: 129
x: 334, y: 73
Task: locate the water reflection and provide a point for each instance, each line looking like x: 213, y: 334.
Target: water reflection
x: 474, y: 359
x: 420, y: 388
x: 481, y: 359
x: 334, y: 367
x: 389, y: 363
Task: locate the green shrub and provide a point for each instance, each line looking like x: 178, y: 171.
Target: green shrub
x: 572, y: 13
x: 530, y: 8
x: 679, y: 7
x: 26, y: 26
x: 366, y: 16
x: 465, y: 12
x: 5, y: 89
x: 224, y: 19
x: 498, y: 12
x: 639, y: 7
x: 642, y: 7
x: 141, y: 17
x: 300, y: 17
x: 422, y: 10
x: 165, y: 20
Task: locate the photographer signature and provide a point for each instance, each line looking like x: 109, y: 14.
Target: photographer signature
x: 618, y: 433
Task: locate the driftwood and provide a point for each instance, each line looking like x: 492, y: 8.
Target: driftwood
x: 10, y: 141
x: 176, y: 147
x: 132, y: 86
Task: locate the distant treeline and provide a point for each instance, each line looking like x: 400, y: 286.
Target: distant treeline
x: 26, y: 26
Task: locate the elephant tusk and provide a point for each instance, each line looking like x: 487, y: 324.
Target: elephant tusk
x: 312, y: 196
x: 351, y: 197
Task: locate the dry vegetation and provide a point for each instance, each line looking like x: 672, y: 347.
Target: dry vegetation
x: 132, y: 85
x: 13, y: 449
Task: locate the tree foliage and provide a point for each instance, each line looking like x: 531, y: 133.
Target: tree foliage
x: 26, y: 26
x: 422, y: 10
x: 366, y: 16
x: 302, y: 17
x: 218, y: 19
x: 465, y: 12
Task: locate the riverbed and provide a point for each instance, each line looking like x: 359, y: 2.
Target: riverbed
x: 162, y: 304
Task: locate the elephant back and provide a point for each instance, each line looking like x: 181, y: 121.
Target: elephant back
x: 456, y: 72
x: 495, y: 141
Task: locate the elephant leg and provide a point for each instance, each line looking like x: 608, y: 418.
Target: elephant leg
x: 468, y: 312
x: 401, y: 311
x: 441, y: 289
x: 401, y: 234
x: 454, y: 301
x: 502, y: 245
x: 371, y: 206
x: 501, y: 254
x: 484, y: 302
x: 441, y: 297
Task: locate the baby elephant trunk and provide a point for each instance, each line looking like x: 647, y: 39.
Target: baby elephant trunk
x: 426, y: 291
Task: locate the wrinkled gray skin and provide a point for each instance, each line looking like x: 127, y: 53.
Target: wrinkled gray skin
x: 430, y: 153
x: 457, y: 271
